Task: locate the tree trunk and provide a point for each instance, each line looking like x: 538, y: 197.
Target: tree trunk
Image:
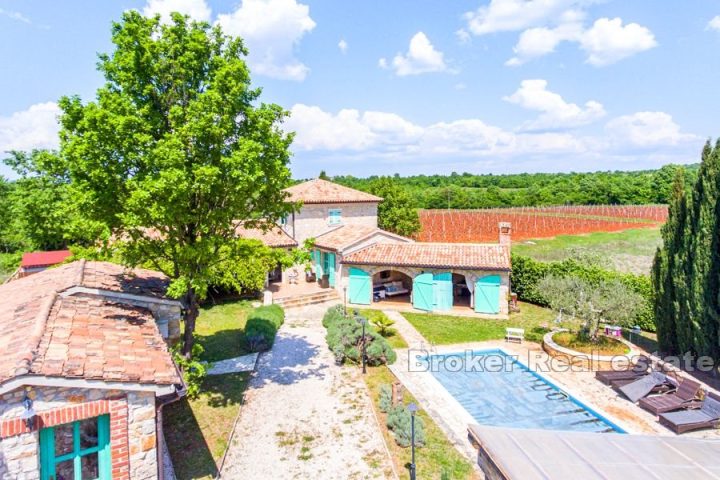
x: 192, y: 310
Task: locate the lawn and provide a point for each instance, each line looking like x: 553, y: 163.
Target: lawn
x: 197, y: 430
x: 630, y: 251
x: 448, y: 329
x: 394, y: 339
x: 437, y: 456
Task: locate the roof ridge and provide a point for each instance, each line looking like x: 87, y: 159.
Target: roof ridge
x: 80, y: 274
x: 23, y: 366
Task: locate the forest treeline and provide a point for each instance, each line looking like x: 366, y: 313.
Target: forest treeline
x: 466, y: 190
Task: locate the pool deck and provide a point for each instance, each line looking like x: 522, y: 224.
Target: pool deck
x: 454, y: 420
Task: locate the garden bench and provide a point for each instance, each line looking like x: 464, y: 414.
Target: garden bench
x: 514, y: 334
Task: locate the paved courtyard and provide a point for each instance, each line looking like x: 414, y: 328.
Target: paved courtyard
x: 304, y: 416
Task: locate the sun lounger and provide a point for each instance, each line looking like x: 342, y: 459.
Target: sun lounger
x: 642, y: 387
x: 684, y: 397
x: 707, y: 416
x: 639, y: 369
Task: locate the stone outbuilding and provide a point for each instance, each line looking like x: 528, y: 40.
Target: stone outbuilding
x: 85, y: 370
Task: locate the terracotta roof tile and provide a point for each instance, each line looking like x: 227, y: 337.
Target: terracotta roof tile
x: 275, y: 237
x: 347, y: 235
x: 466, y: 256
x: 322, y: 191
x: 43, y: 332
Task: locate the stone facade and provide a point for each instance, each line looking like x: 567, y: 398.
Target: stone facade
x: 313, y: 219
x: 133, y: 441
x: 472, y: 275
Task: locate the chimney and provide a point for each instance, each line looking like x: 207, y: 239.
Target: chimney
x: 505, y: 229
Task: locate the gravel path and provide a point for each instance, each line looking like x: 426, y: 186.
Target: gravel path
x: 305, y: 417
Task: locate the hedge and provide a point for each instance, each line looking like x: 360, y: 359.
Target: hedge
x: 527, y: 272
x: 262, y: 326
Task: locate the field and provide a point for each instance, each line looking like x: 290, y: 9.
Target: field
x: 629, y: 251
x: 457, y: 226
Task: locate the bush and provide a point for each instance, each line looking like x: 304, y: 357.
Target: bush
x: 385, y: 399
x: 527, y: 274
x: 344, y: 338
x: 399, y: 421
x: 193, y: 371
x: 262, y: 326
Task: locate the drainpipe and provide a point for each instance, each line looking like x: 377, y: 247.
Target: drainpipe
x: 160, y: 402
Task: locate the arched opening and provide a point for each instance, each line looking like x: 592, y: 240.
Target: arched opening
x: 392, y: 287
x: 462, y: 296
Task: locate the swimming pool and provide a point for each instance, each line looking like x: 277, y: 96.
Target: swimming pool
x: 496, y: 389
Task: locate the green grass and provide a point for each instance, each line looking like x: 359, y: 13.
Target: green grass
x: 603, y: 346
x: 448, y: 329
x: 436, y: 456
x: 198, y: 430
x: 629, y: 251
x: 394, y: 339
x: 220, y: 330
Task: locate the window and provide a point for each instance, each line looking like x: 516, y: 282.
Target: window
x: 76, y: 451
x: 284, y: 220
x: 334, y: 216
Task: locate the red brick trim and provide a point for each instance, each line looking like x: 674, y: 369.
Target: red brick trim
x: 116, y: 407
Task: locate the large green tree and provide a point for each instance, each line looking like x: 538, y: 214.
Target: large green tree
x: 396, y: 212
x: 175, y: 150
x: 686, y: 271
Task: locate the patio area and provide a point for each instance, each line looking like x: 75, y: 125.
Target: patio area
x: 290, y: 290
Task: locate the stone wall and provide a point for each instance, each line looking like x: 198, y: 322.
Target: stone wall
x: 312, y: 220
x: 473, y: 275
x: 132, y: 428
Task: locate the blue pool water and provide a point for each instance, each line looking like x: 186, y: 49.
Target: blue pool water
x: 504, y: 392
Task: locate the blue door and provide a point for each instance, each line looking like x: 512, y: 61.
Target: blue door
x: 330, y: 268
x: 487, y: 294
x: 443, y: 291
x: 423, y: 296
x: 360, y: 288
x: 317, y: 257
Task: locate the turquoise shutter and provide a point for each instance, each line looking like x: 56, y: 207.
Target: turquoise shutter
x: 442, y: 291
x: 359, y: 290
x: 487, y: 294
x: 331, y: 269
x: 423, y: 292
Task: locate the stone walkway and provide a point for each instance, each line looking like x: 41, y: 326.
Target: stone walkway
x: 413, y: 338
x: 245, y: 363
x: 304, y: 416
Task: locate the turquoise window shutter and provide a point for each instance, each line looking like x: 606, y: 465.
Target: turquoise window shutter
x: 334, y: 216
x: 331, y: 269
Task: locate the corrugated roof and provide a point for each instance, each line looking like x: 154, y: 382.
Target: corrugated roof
x: 44, y: 259
x: 322, y: 191
x: 467, y: 256
x: 558, y: 455
x: 32, y: 307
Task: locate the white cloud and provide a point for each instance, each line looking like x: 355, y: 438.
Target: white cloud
x: 539, y: 41
x: 271, y: 30
x: 463, y: 36
x: 195, y: 9
x: 714, y: 24
x: 556, y: 112
x: 647, y: 130
x: 15, y: 16
x: 36, y: 127
x: 422, y: 57
x: 608, y: 41
x: 514, y: 15
x: 342, y: 45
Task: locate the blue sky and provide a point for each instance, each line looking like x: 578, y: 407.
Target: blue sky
x: 419, y: 86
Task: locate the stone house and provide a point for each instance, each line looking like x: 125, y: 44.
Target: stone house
x: 85, y: 371
x: 364, y: 264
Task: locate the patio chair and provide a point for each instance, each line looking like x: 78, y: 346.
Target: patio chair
x: 638, y: 369
x: 685, y: 397
x: 642, y: 387
x: 707, y: 416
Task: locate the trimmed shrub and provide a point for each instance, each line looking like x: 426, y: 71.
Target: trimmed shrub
x: 262, y: 326
x: 399, y: 421
x: 385, y: 399
x: 527, y: 274
x: 344, y: 338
